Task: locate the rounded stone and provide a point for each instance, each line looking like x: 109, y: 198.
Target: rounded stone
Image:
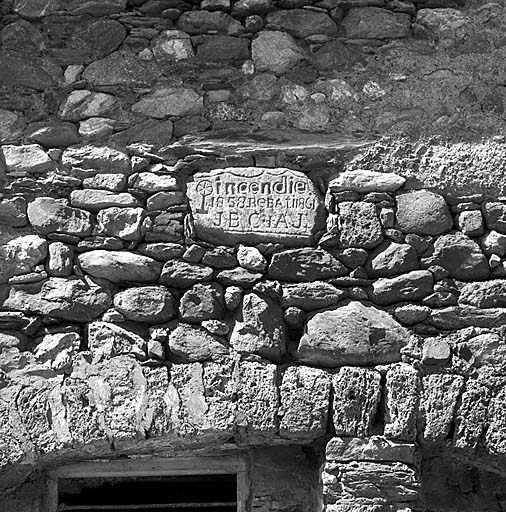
x: 150, y: 304
x: 354, y: 334
x: 423, y: 212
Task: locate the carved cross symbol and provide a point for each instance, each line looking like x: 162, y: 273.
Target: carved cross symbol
x: 204, y: 188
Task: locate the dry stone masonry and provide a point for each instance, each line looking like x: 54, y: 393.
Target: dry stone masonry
x: 268, y: 228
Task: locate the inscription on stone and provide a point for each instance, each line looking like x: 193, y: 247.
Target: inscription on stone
x: 252, y: 204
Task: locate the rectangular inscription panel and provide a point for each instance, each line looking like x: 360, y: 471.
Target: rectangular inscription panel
x: 252, y: 205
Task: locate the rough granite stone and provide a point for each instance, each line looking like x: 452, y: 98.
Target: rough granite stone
x: 495, y: 216
x: 471, y: 415
x: 358, y: 225
x: 83, y: 104
x: 199, y: 401
x: 257, y: 401
x: 188, y: 344
x: 303, y: 23
x: 48, y: 215
x: 306, y: 264
x: 180, y: 274
x: 357, y: 394
x: 72, y: 299
x: 304, y: 403
x: 373, y: 448
x: 165, y: 101
x: 351, y: 334
x: 89, y: 160
x: 261, y: 329
x: 21, y: 255
x: 412, y: 286
x: 311, y: 296
x: 275, y: 51
x: 400, y: 401
x: 202, y: 302
x: 151, y: 304
x: 60, y: 260
x: 391, y: 259
x: 438, y: 401
x: 375, y: 23
x: 119, y: 222
x: 121, y: 68
x: 495, y: 439
x: 484, y: 294
x: 26, y: 158
x: 460, y: 255
x: 172, y: 45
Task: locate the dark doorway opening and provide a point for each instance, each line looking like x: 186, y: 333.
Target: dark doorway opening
x: 188, y: 493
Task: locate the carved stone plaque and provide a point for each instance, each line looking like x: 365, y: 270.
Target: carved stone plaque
x: 253, y: 204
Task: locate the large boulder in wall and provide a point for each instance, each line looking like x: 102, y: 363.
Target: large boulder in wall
x: 354, y: 334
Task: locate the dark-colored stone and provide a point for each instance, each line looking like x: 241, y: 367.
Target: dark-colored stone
x: 305, y: 265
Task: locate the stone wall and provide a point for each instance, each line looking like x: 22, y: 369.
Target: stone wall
x: 240, y: 226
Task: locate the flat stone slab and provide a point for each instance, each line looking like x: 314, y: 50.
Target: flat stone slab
x: 289, y: 142
x: 254, y: 204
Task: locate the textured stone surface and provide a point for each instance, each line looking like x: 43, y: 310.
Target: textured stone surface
x: 369, y: 485
x: 412, y: 286
x: 118, y: 266
x: 261, y: 329
x: 89, y: 160
x: 357, y: 395
x: 401, y: 399
x: 120, y: 68
x: 96, y: 200
x: 461, y: 256
x: 84, y: 104
x: 257, y: 400
x: 48, y: 215
x: 21, y: 255
x: 359, y: 225
x: 202, y: 302
x: 363, y: 181
x: 352, y: 334
x: 423, y: 212
x: 374, y: 448
x: 169, y: 101
x: 180, y: 274
x: 152, y: 304
x: 60, y: 260
x: 172, y: 45
x: 201, y: 400
x: 392, y: 259
x: 30, y: 158
x: 119, y: 222
x: 305, y: 265
x: 375, y: 23
x: 72, y: 299
x: 275, y: 51
x: 486, y: 294
x: 302, y: 23
x: 188, y: 344
x: 311, y: 296
x: 437, y: 404
x: 471, y: 415
x: 304, y: 403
